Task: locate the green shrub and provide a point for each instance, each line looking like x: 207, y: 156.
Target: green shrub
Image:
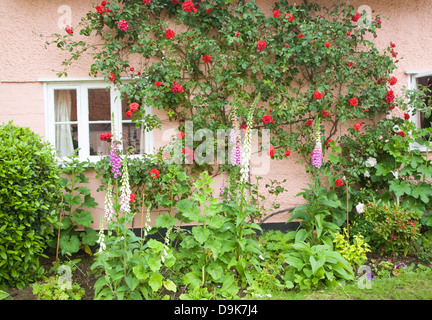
x: 51, y: 290
x: 29, y: 196
x: 355, y: 252
x: 395, y: 228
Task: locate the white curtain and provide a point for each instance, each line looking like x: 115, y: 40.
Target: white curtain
x: 63, y: 141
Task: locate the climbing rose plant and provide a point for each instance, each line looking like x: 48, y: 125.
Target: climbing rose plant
x: 310, y: 63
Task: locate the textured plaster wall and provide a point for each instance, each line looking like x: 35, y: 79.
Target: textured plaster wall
x: 24, y: 59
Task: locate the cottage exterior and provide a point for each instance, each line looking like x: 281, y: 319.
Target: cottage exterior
x: 32, y: 95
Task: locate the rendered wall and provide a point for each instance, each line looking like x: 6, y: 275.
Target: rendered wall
x: 24, y: 59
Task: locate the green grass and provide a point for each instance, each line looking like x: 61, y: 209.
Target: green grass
x: 407, y: 286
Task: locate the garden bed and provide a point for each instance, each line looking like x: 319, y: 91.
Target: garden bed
x: 83, y: 276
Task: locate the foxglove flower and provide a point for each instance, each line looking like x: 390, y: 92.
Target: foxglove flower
x: 317, y: 152
x: 125, y: 191
x: 244, y: 170
x: 109, y: 208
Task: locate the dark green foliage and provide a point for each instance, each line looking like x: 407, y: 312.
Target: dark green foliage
x: 29, y: 196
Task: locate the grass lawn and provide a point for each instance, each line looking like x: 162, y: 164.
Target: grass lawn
x: 407, y: 286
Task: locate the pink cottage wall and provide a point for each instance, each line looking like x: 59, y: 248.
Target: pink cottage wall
x: 24, y: 59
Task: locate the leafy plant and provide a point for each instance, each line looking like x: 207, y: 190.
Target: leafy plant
x: 221, y: 240
x: 310, y: 266
x: 354, y: 253
x: 50, y: 290
x: 395, y: 228
x: 29, y: 203
x: 76, y: 202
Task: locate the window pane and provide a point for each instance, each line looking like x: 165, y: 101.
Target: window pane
x: 133, y: 139
x: 66, y: 139
x: 97, y: 146
x: 99, y: 105
x: 65, y: 117
x: 426, y: 82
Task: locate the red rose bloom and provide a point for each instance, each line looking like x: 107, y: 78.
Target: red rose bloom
x: 267, y: 118
x: 402, y: 134
x: 169, y: 34
x: 206, y: 58
x: 190, y: 154
x: 327, y: 45
x: 103, y: 3
x: 393, y: 81
x: 68, y: 30
x: 158, y: 83
x: 111, y: 76
x: 209, y: 10
x: 353, y: 102
x: 300, y: 36
x: 350, y: 64
x: 99, y: 8
x: 339, y: 182
x: 123, y: 25
x: 358, y: 126
x: 390, y: 96
x: 309, y: 122
x: 105, y: 136
x: 176, y: 87
x: 180, y: 134
x: 406, y: 116
x: 147, y: 2
x: 325, y: 113
x: 356, y: 17
x: 289, y: 17
x: 276, y: 13
x: 188, y: 6
x: 271, y: 152
x: 261, y: 45
x: 133, y: 106
x: 318, y: 95
x: 132, y: 197
x: 129, y: 114
x: 154, y: 173
x: 287, y: 153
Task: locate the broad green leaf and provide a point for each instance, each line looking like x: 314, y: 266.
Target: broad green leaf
x: 201, y: 234
x: 170, y: 285
x: 155, y: 281
x: 164, y: 220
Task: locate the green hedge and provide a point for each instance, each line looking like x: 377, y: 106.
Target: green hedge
x: 29, y: 196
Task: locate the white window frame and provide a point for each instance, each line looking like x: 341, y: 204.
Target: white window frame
x: 414, y: 118
x: 81, y: 85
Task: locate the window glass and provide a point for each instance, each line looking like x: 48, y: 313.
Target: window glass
x: 99, y: 106
x: 133, y: 138
x: 66, y: 124
x: 425, y: 122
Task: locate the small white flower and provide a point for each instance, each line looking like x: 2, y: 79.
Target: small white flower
x: 367, y: 174
x: 395, y: 174
x: 261, y: 257
x: 360, y: 208
x: 371, y: 162
x: 396, y: 128
x: 389, y: 116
